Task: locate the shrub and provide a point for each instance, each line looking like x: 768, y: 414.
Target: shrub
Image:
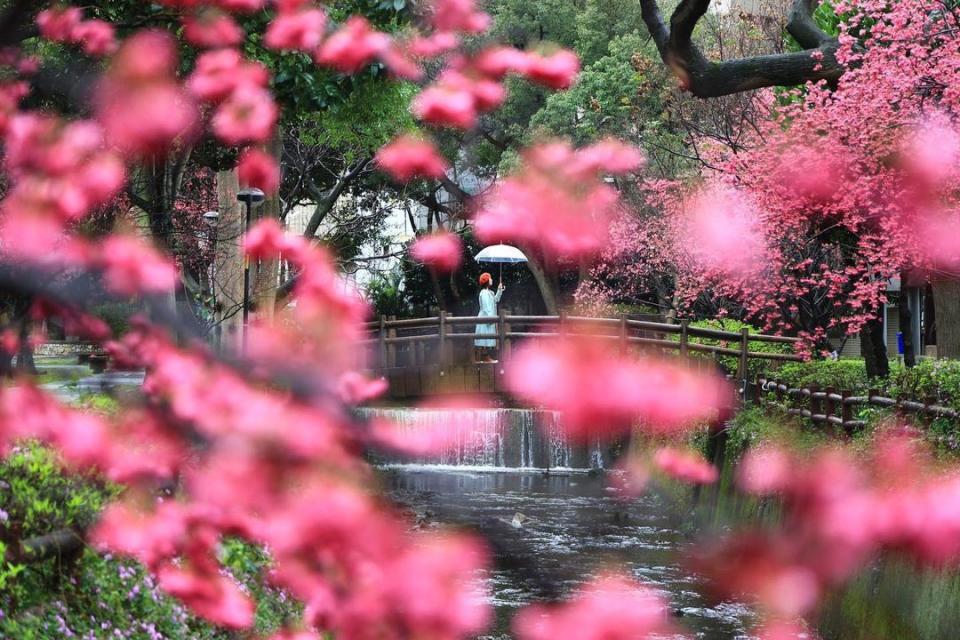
x: 96, y: 596
x: 850, y: 375
x: 755, y: 367
x: 939, y: 379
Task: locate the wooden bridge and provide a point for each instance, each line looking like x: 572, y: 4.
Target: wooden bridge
x: 421, y: 356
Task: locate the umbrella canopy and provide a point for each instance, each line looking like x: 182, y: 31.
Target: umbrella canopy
x: 502, y: 253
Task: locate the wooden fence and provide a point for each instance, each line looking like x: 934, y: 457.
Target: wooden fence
x: 830, y: 406
x: 445, y: 340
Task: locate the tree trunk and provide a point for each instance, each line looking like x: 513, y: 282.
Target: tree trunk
x: 228, y: 262
x: 266, y: 276
x: 946, y: 300
x: 873, y: 346
x: 905, y: 318
x: 543, y: 284
x: 929, y: 317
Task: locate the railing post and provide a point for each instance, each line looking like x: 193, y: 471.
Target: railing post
x: 744, y: 346
x: 508, y: 343
x: 392, y: 347
x: 502, y: 332
x: 382, y: 339
x: 684, y: 336
x: 623, y: 334
x: 442, y: 349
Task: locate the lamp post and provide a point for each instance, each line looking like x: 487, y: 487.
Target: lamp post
x: 212, y: 218
x: 250, y: 197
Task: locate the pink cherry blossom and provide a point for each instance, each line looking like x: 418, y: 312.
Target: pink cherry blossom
x: 141, y: 107
x: 458, y: 15
x: 446, y: 106
x: 556, y: 71
x: 723, y: 232
x: 131, y: 267
x: 433, y: 45
x: 684, y: 466
x: 96, y: 37
x: 219, y: 73
x: 764, y: 471
x: 211, y: 30
x: 611, y: 607
x: 497, y: 62
x: 352, y: 47
x: 408, y: 157
x: 241, y: 6
x: 604, y: 394
x: 300, y: 30
x: 59, y: 24
x: 249, y: 114
x: 441, y: 251
x: 355, y: 388
x: 556, y: 201
x: 259, y: 169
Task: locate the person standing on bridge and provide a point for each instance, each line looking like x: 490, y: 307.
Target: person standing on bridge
x: 488, y: 308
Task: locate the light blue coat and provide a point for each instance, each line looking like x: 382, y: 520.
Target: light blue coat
x: 488, y: 307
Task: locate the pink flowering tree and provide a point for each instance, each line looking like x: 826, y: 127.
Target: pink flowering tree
x: 262, y: 444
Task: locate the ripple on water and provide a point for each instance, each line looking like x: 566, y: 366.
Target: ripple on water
x: 572, y: 528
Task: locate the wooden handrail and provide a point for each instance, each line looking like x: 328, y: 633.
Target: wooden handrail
x: 692, y: 331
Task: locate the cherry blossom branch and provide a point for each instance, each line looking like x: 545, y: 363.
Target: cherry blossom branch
x: 706, y: 79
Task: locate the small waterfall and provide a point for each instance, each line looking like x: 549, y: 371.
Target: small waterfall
x: 493, y: 438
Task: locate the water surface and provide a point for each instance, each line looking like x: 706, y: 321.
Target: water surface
x: 572, y: 525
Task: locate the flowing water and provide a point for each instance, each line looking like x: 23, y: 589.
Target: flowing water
x: 552, y: 529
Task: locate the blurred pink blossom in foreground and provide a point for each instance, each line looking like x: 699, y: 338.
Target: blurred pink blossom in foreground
x: 441, y: 251
x: 603, y: 393
x: 685, y: 466
x: 408, y: 157
x: 558, y: 200
x: 611, y: 607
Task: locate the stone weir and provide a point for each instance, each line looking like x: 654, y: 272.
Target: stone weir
x: 494, y: 438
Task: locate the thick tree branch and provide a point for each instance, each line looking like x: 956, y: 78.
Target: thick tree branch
x: 706, y: 79
x: 327, y: 200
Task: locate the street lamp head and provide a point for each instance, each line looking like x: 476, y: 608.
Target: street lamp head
x: 250, y: 196
x: 211, y: 218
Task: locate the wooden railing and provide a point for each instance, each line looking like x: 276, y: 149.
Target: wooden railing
x: 444, y: 340
x: 830, y: 406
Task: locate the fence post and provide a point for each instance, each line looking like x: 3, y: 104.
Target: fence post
x: 829, y: 406
x: 623, y: 334
x: 814, y: 403
x: 382, y: 339
x: 744, y: 345
x: 684, y: 336
x: 442, y: 348
x: 846, y: 411
x: 392, y: 347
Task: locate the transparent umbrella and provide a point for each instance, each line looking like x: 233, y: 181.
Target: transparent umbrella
x: 501, y: 254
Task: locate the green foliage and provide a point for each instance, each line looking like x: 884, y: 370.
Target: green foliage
x: 387, y: 297
x: 99, y: 596
x: 755, y: 424
x: 937, y: 379
x: 116, y: 315
x: 614, y: 96
x: 755, y: 366
x: 39, y: 497
x: 848, y: 375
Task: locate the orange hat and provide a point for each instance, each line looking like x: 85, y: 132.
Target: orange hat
x: 485, y: 278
